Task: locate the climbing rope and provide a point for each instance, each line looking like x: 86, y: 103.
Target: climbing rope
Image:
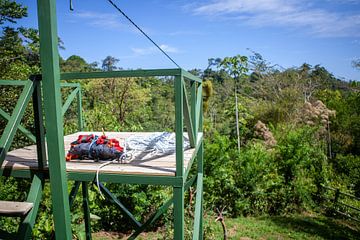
x: 146, y: 35
x: 135, y: 25
x: 156, y: 144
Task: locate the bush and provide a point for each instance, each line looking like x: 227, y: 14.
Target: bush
x: 247, y: 183
x: 348, y: 171
x: 265, y: 181
x: 303, y: 164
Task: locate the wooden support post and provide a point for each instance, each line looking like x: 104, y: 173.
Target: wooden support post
x: 53, y: 119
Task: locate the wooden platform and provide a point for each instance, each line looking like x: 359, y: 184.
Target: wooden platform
x: 146, y: 164
x: 17, y: 209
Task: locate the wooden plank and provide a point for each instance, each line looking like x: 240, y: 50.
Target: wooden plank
x: 157, y: 165
x: 15, y: 209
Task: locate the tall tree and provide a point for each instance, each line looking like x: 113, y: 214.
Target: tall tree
x: 356, y: 63
x: 109, y: 63
x: 236, y: 67
x: 10, y: 11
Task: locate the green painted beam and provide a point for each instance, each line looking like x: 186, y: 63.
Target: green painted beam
x: 189, y: 76
x: 179, y: 128
x: 179, y: 213
x: 39, y: 126
x: 71, y: 85
x: 69, y: 100
x: 161, y: 211
x: 127, y: 179
x: 200, y: 171
x: 179, y: 125
x: 122, y: 73
x: 194, y: 110
x: 123, y: 209
x: 34, y: 196
x: 12, y: 83
x: 199, y: 99
x: 13, y: 123
x: 104, y: 177
x: 198, y: 208
x: 188, y: 119
x: 79, y: 110
x: 190, y: 182
x: 49, y: 58
x: 73, y: 193
x: 21, y: 128
x: 9, y: 172
x: 194, y: 156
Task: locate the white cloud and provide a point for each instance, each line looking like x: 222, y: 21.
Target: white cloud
x: 283, y: 13
x: 152, y: 50
x: 345, y: 1
x: 185, y: 33
x: 102, y: 20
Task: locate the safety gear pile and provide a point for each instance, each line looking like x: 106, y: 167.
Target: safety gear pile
x: 95, y: 148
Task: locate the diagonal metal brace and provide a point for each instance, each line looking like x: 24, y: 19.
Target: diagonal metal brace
x: 152, y: 219
x: 26, y: 132
x: 73, y: 193
x: 113, y: 199
x: 13, y: 123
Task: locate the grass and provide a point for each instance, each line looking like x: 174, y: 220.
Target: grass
x: 305, y: 226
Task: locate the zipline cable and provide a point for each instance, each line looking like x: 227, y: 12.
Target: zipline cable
x: 147, y: 36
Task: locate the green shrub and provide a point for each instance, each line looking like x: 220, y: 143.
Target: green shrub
x: 265, y: 181
x: 247, y: 183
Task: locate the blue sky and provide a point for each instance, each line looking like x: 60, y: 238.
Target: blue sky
x: 285, y: 32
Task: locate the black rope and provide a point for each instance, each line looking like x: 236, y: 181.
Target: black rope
x: 132, y: 22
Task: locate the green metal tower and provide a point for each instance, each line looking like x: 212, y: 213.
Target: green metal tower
x: 51, y: 163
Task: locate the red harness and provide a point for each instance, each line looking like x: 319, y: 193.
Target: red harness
x: 94, y: 147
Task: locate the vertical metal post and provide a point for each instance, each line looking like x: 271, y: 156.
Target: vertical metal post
x: 179, y: 125
x: 39, y: 125
x: 85, y: 195
x: 179, y: 191
x: 79, y: 109
x: 178, y: 213
x: 194, y: 111
x: 200, y: 159
x: 54, y: 125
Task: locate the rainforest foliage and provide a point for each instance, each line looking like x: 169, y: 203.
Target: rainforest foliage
x: 273, y: 136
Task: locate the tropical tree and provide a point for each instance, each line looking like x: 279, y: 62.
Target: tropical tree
x: 10, y: 11
x: 236, y: 67
x: 356, y: 63
x: 108, y: 64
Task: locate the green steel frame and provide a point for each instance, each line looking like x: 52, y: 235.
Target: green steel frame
x: 188, y: 111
